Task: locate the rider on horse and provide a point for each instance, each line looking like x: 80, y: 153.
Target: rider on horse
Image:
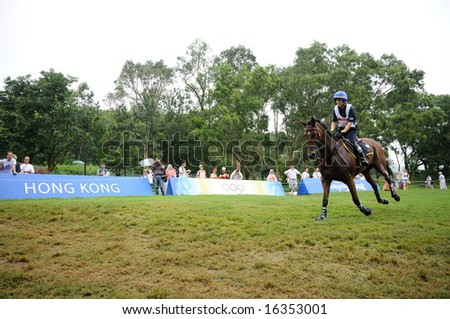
x: 344, y: 123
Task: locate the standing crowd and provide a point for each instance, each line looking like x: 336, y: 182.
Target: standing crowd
x: 10, y: 165
x: 159, y: 175
x: 441, y: 180
x: 291, y: 176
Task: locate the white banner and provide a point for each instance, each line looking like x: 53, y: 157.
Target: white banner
x: 225, y: 308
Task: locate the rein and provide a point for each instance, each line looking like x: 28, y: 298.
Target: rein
x: 320, y: 136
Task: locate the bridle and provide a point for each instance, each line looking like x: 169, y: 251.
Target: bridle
x: 308, y: 131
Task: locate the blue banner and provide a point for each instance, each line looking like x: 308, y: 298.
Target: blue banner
x: 205, y: 186
x: 314, y: 186
x: 23, y: 186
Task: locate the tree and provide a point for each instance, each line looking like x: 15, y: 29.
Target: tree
x: 92, y: 127
x: 304, y: 91
x: 399, y: 93
x: 234, y: 94
x: 317, y: 73
x: 17, y: 115
x: 142, y: 87
x: 237, y: 58
x: 242, y: 95
x: 195, y: 72
x: 42, y: 117
x: 435, y: 119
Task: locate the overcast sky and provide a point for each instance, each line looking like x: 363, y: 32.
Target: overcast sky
x: 92, y: 39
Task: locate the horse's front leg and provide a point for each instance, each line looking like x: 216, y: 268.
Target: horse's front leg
x: 326, y: 193
x: 351, y: 186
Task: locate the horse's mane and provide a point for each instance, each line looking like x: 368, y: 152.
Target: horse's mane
x: 321, y: 122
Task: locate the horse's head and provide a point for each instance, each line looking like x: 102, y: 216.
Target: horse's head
x: 315, y: 136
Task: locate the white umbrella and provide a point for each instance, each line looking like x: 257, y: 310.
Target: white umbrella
x: 147, y: 162
x: 78, y: 162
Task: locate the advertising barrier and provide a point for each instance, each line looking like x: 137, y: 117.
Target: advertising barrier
x: 23, y: 186
x: 314, y: 186
x: 207, y: 186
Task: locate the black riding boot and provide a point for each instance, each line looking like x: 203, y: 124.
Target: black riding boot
x: 362, y: 157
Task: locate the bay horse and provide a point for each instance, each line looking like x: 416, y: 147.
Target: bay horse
x: 338, y: 162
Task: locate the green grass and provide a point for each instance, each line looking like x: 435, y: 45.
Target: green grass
x: 226, y: 247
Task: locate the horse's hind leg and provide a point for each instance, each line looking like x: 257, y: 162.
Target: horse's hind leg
x: 351, y: 186
x: 390, y: 180
x: 383, y: 168
x: 374, y: 185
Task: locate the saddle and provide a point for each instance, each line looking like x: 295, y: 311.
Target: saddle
x: 365, y: 147
x: 367, y: 150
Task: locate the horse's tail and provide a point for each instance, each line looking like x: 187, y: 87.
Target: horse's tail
x: 388, y: 168
x: 378, y: 152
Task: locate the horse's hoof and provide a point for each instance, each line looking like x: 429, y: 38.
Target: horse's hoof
x: 366, y: 211
x: 385, y: 202
x: 321, y: 217
x: 397, y: 198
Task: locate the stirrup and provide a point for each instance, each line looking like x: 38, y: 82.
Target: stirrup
x: 362, y: 158
x: 363, y: 161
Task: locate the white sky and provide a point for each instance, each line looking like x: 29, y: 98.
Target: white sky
x: 92, y: 39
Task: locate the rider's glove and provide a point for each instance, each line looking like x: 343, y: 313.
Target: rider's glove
x: 336, y: 134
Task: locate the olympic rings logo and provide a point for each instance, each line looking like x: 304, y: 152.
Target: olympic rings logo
x: 235, y: 188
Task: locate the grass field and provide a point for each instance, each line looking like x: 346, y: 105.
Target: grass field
x: 226, y: 247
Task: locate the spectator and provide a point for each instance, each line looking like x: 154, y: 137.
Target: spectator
x: 182, y: 171
x: 442, y: 183
x: 317, y: 173
x: 305, y: 174
x: 214, y: 173
x: 8, y: 165
x: 291, y: 175
x: 102, y: 170
x: 398, y: 180
x: 160, y: 174
x: 271, y: 177
x: 201, y: 172
x: 405, y: 179
x: 170, y: 172
x: 26, y: 167
x: 17, y: 164
x: 224, y: 174
x: 237, y: 174
x: 429, y: 182
x: 148, y: 174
